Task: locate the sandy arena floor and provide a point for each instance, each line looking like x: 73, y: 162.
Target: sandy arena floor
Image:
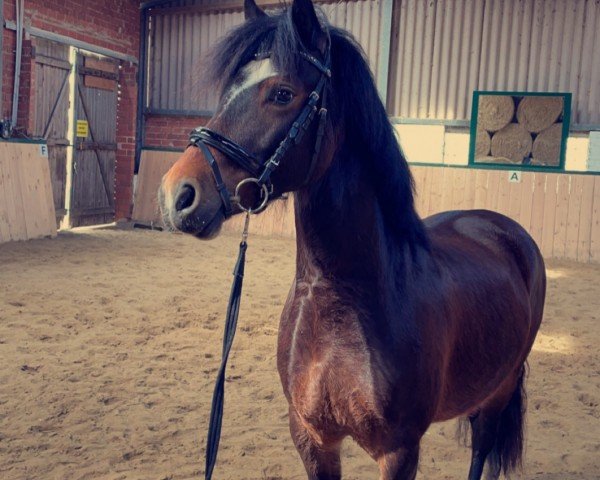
x: 110, y: 339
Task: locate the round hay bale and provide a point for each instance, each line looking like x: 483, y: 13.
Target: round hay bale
x: 512, y: 142
x: 483, y: 143
x: 546, y: 147
x: 538, y: 113
x: 495, y: 112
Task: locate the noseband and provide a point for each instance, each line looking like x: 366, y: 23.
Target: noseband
x: 203, y: 137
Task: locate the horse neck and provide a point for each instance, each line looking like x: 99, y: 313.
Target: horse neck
x: 341, y: 231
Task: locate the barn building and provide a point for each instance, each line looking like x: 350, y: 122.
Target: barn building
x: 99, y: 98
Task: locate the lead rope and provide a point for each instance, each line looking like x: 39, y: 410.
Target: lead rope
x: 233, y: 308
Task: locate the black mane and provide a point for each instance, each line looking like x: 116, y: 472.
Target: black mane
x: 353, y: 102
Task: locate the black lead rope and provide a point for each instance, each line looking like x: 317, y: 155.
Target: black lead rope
x: 218, y: 400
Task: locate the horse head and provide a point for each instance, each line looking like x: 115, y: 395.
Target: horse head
x: 270, y: 123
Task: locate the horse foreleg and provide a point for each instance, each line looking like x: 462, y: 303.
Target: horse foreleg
x: 399, y: 464
x: 322, y: 462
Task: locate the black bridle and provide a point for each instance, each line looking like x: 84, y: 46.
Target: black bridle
x: 203, y: 137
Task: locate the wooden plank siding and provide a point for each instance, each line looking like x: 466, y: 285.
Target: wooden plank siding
x: 153, y: 165
x: 595, y: 221
x: 560, y: 211
x: 52, y: 113
x: 94, y: 158
x: 26, y: 201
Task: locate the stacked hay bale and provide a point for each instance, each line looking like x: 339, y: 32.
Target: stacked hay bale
x: 512, y: 144
x: 531, y: 133
x: 546, y: 147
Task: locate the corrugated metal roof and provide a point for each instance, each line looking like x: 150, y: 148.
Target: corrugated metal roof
x: 178, y: 41
x: 446, y: 49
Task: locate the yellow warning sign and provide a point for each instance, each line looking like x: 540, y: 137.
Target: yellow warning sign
x: 83, y: 128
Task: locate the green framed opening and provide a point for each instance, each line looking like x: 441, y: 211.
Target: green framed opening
x: 519, y: 130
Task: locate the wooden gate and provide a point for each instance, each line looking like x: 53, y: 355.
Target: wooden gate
x: 92, y: 193
x: 52, y: 70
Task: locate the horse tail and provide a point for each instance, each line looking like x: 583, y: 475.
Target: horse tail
x: 507, y: 453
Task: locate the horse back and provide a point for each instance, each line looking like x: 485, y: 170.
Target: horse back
x: 487, y: 239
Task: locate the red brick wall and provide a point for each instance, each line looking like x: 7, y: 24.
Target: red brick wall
x: 170, y: 131
x: 8, y: 57
x: 126, y: 142
x: 112, y: 24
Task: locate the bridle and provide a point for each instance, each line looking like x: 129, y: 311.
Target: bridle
x: 203, y: 137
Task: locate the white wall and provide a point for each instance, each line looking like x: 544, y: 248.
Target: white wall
x: 439, y: 144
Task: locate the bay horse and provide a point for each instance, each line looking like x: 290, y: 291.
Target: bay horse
x: 392, y: 322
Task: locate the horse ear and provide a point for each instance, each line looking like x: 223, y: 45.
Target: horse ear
x: 308, y: 26
x: 252, y: 10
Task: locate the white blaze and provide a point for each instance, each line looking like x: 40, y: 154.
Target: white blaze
x: 253, y: 74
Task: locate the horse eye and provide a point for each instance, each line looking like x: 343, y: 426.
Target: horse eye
x: 283, y: 96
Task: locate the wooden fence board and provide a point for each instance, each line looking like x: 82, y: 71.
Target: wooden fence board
x: 447, y: 185
x: 549, y: 218
x: 470, y: 184
x: 101, y: 83
x: 595, y: 233
x: 574, y: 210
x: 435, y: 195
x: 527, y: 189
x: 26, y: 206
x: 29, y: 179
x: 513, y: 205
x: 481, y: 186
x: 420, y: 179
x: 503, y: 194
x: 562, y: 211
x: 49, y: 203
x: 14, y: 202
x: 585, y: 220
x: 538, y: 205
x: 104, y: 65
x: 422, y: 190
x: 491, y: 201
x: 458, y: 188
x: 515, y: 191
x: 153, y: 165
x: 5, y: 233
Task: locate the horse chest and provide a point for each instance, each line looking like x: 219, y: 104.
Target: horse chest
x: 328, y: 365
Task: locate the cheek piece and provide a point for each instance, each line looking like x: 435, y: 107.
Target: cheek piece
x: 203, y: 137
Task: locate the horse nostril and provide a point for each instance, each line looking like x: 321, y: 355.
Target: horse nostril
x: 186, y: 197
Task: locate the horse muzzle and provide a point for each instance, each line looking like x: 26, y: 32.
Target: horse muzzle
x: 185, y: 208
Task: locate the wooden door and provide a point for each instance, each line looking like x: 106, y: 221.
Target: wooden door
x: 92, y: 193
x: 52, y: 70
